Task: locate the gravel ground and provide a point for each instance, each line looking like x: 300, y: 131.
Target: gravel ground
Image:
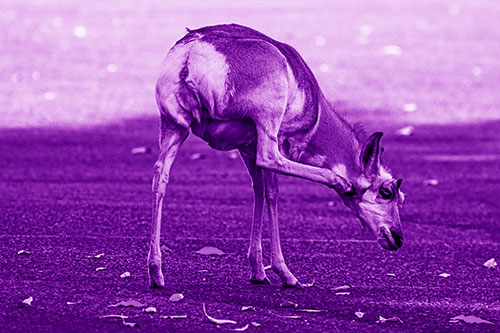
x: 68, y: 195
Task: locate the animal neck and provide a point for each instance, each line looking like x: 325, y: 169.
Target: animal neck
x: 334, y: 144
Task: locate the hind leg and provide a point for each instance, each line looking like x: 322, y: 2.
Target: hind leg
x: 171, y: 138
x: 258, y: 275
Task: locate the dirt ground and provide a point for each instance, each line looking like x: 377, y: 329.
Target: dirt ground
x: 68, y: 195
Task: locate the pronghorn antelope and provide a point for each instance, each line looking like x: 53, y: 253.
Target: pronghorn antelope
x: 238, y: 89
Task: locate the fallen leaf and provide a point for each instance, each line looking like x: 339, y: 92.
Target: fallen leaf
x: 210, y: 250
x: 445, y: 275
x: 431, y: 182
x: 288, y: 317
x: 288, y: 304
x: 343, y: 293
x: 27, y: 301
x: 311, y: 310
x: 345, y: 287
x: 125, y: 275
x: 406, y: 131
x: 176, y: 297
x: 140, y: 150
x: 174, y: 316
x: 248, y: 308
x: 244, y: 328
x: 491, y: 263
x: 217, y: 321
x: 255, y: 324
x: 99, y: 255
x: 150, y: 309
x: 391, y: 319
x: 360, y: 314
x: 165, y: 248
x: 469, y: 320
x: 308, y: 285
x: 114, y: 316
x: 196, y: 156
x: 23, y: 253
x: 100, y: 269
x: 130, y: 303
x: 129, y: 324
x: 391, y: 274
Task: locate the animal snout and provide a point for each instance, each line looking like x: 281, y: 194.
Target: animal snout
x: 397, y: 235
x: 390, y: 239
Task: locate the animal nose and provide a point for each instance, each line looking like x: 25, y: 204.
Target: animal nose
x: 397, y: 235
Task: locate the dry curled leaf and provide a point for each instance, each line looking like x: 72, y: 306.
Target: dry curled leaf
x: 406, y: 131
x: 174, y: 316
x: 165, y: 248
x: 288, y: 304
x: 114, y: 316
x: 391, y: 274
x: 27, y: 301
x: 128, y: 304
x: 23, y: 253
x: 239, y: 329
x: 210, y: 250
x: 150, y: 309
x: 129, y: 324
x: 248, y: 308
x: 391, y: 319
x: 125, y: 275
x: 255, y: 324
x: 491, y: 263
x: 311, y: 310
x: 343, y: 293
x: 360, y: 314
x: 470, y: 320
x: 445, y: 275
x: 176, y: 297
x: 100, y: 269
x: 217, y: 321
x: 308, y: 285
x: 97, y: 256
x: 344, y: 287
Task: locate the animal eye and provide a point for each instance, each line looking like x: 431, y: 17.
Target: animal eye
x: 385, y: 193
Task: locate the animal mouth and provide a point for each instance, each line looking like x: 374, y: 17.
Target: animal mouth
x: 390, y: 240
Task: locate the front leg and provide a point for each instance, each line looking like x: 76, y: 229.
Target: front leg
x: 277, y: 261
x: 270, y: 158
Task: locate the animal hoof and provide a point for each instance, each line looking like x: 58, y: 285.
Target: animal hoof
x: 156, y: 279
x: 296, y: 285
x: 264, y: 281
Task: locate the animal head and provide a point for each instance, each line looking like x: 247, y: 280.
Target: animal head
x: 375, y: 197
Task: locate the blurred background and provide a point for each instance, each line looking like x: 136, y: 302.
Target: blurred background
x: 79, y: 63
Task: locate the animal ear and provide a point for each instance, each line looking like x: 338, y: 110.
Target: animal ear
x: 370, y: 154
x: 398, y: 183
